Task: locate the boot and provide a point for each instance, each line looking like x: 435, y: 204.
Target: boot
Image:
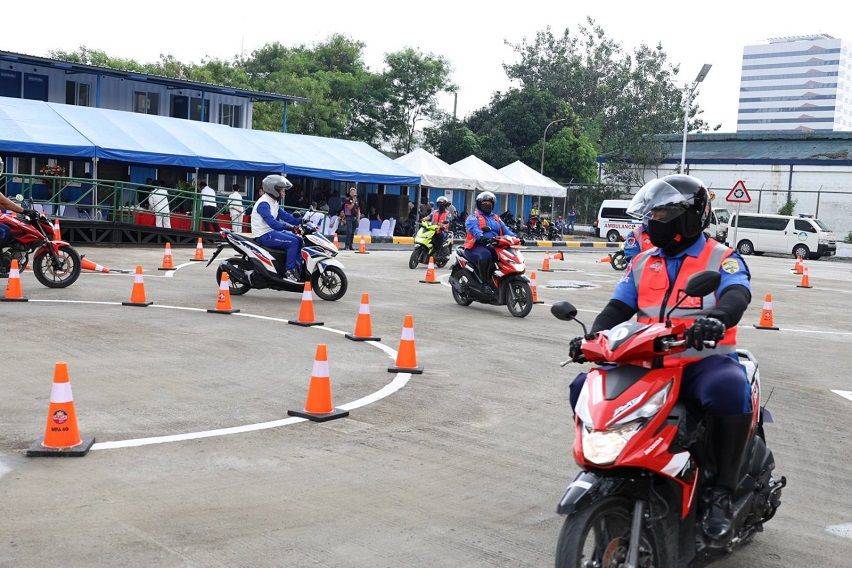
x: 730, y: 440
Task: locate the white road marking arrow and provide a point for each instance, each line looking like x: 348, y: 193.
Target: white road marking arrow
x: 845, y: 394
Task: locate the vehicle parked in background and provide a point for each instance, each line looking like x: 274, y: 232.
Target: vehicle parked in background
x: 801, y: 236
x: 613, y: 222
x: 719, y: 224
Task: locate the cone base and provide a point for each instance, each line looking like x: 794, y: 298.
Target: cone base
x: 800, y: 286
x: 14, y: 299
x: 137, y: 304
x: 429, y: 282
x: 164, y: 268
x: 359, y: 252
x: 538, y: 302
x: 305, y: 324
x: 214, y: 311
x: 324, y: 417
x: 542, y: 270
x: 414, y: 371
x: 80, y: 450
x: 762, y: 327
x: 354, y: 337
x: 197, y: 260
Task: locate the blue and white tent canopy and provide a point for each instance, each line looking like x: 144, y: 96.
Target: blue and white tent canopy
x: 435, y: 172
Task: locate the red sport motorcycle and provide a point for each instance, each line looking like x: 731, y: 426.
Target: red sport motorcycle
x: 506, y: 285
x: 646, y: 456
x: 55, y: 263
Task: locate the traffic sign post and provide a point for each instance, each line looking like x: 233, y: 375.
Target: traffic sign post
x: 739, y: 195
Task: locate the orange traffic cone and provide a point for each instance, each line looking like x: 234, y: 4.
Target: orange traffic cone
x: 199, y: 252
x: 798, y: 267
x: 57, y: 232
x: 306, y: 309
x: 534, y: 288
x: 806, y: 282
x: 559, y: 255
x: 223, y: 298
x: 61, y: 435
x: 335, y: 242
x: 362, y: 246
x: 605, y: 260
x: 14, y: 290
x: 168, y: 262
x: 93, y: 266
x: 430, y: 273
x: 545, y: 264
x: 318, y: 406
x: 363, y: 323
x: 767, y: 320
x: 406, y: 356
x: 137, y: 294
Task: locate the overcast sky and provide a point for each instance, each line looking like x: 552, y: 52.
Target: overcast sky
x: 471, y: 34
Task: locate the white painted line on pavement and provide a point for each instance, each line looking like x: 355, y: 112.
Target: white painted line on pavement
x: 844, y: 530
x: 399, y: 381
x: 845, y: 394
x: 825, y: 331
x: 171, y: 273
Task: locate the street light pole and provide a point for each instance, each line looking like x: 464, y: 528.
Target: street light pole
x: 544, y: 140
x: 688, y: 92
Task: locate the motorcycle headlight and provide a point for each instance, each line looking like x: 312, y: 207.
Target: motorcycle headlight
x: 604, y: 446
x: 650, y: 408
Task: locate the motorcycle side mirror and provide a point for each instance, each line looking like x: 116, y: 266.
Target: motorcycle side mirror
x: 564, y: 311
x: 702, y: 283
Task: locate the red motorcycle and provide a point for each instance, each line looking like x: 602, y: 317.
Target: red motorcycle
x: 646, y: 456
x: 506, y: 285
x: 55, y: 263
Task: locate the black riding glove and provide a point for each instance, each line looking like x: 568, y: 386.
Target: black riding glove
x: 483, y: 241
x: 575, y: 351
x: 704, y: 329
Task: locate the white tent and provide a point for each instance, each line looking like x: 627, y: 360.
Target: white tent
x: 435, y: 172
x: 487, y: 178
x: 534, y: 183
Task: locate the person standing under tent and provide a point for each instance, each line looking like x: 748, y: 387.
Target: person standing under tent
x: 208, y: 207
x: 350, y: 213
x: 158, y: 202
x: 236, y: 208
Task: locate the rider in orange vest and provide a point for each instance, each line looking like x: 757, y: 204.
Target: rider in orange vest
x: 440, y: 217
x: 483, y: 226
x: 676, y: 210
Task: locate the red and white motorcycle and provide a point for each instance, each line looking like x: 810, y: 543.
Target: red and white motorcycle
x: 645, y: 455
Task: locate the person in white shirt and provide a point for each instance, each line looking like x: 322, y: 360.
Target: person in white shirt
x: 158, y: 202
x: 236, y: 208
x: 208, y: 207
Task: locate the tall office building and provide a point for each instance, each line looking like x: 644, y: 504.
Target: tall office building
x: 796, y: 83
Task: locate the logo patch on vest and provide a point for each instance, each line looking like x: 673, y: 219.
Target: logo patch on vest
x: 731, y: 266
x: 656, y: 266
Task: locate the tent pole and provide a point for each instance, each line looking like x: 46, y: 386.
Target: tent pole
x: 417, y: 207
x: 95, y: 187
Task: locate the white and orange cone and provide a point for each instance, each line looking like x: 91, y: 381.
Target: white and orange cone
x: 364, y: 322
x: 14, y: 288
x: 137, y: 293
x: 57, y: 231
x: 223, y: 297
x: 306, y: 316
x: 806, y: 281
x: 199, y: 252
x: 545, y: 264
x: 406, y: 353
x: 62, y: 434
x: 87, y: 264
x: 335, y: 242
x: 798, y: 268
x: 362, y: 246
x: 534, y: 288
x: 767, y: 318
x: 430, y: 273
x: 168, y: 261
x: 318, y: 405
x: 559, y: 255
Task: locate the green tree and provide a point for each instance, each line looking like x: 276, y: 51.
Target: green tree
x: 569, y: 156
x: 413, y: 81
x: 451, y: 140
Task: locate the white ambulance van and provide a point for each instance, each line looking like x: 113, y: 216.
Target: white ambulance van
x: 800, y: 236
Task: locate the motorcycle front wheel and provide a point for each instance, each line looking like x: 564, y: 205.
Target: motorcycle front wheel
x: 236, y: 288
x: 59, y: 273
x: 599, y: 535
x: 519, y: 298
x: 618, y: 261
x: 414, y: 259
x: 329, y: 284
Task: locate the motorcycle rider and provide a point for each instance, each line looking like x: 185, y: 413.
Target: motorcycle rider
x: 483, y: 226
x: 275, y: 228
x: 639, y: 239
x: 7, y: 204
x: 441, y: 217
x: 676, y: 210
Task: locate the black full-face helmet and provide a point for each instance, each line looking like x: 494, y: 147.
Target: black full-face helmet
x: 675, y: 209
x: 485, y: 202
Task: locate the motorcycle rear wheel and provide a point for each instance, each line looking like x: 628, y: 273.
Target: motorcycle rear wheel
x: 61, y: 275
x: 330, y: 284
x: 461, y: 299
x: 607, y: 524
x: 519, y: 298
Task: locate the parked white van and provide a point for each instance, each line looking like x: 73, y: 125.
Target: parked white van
x: 615, y: 224
x: 800, y: 236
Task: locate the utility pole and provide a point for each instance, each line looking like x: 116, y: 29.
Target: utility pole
x: 689, y: 90
x: 544, y: 140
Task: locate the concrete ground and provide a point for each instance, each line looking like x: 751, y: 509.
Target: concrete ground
x: 461, y: 467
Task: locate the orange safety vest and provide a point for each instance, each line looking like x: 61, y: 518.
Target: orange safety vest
x: 469, y: 239
x: 440, y: 218
x: 656, y: 293
x: 643, y: 239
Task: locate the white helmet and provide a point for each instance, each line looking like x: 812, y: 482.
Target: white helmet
x: 276, y: 185
x: 482, y: 198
